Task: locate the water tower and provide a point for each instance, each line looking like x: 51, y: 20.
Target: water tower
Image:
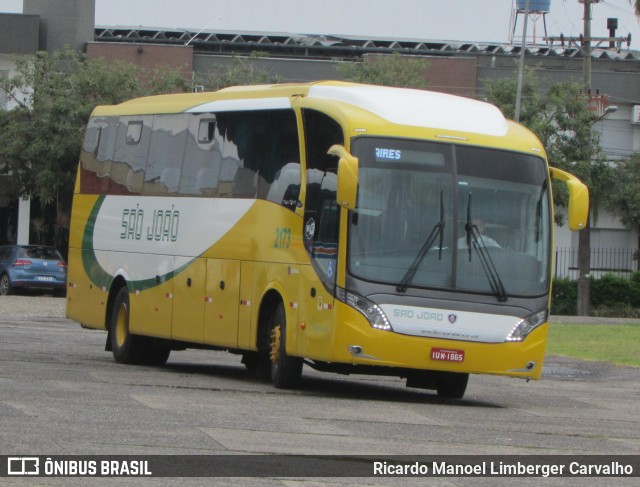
x: 537, y: 9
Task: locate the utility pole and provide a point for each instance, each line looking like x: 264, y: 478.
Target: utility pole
x: 523, y: 48
x: 586, y: 47
x: 584, y: 235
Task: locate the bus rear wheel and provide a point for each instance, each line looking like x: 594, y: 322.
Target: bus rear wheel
x: 128, y: 348
x: 286, y: 371
x: 156, y: 352
x: 452, y: 385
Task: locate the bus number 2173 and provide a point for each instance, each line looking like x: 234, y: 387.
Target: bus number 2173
x: 283, y: 238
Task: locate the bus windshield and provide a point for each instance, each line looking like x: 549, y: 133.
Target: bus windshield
x: 451, y: 217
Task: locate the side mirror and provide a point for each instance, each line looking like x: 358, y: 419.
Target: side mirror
x: 578, y: 198
x: 347, y: 190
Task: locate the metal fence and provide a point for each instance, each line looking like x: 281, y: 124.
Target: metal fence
x: 617, y: 261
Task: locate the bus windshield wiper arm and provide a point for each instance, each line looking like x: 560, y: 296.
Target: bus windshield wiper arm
x: 437, y: 231
x: 474, y: 238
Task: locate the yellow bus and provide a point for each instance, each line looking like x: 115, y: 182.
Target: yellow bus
x: 356, y: 229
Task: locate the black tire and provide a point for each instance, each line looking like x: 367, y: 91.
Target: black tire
x: 258, y: 364
x: 5, y: 285
x: 452, y: 385
x: 133, y: 349
x: 155, y: 351
x: 250, y: 361
x: 126, y: 348
x: 286, y: 371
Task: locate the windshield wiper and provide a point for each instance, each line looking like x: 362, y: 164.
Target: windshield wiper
x: 474, y: 237
x: 436, y: 231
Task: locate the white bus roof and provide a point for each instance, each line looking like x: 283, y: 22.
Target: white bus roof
x: 418, y: 108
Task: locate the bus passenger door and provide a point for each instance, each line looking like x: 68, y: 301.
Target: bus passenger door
x: 188, y: 301
x: 320, y: 235
x: 221, y: 303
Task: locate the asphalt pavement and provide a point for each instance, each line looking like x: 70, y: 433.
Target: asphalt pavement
x: 63, y: 394
x: 27, y: 306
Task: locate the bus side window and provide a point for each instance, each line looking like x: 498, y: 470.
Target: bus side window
x: 280, y: 169
x: 96, y: 154
x: 202, y: 157
x: 242, y: 135
x: 164, y: 163
x: 134, y: 132
x: 321, y: 210
x: 130, y: 152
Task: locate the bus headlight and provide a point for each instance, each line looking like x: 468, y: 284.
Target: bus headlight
x: 526, y: 326
x: 371, y: 311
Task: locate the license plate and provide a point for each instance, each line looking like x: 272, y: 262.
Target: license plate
x: 447, y: 355
x: 45, y: 278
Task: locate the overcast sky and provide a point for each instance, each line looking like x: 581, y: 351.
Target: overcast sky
x: 463, y: 20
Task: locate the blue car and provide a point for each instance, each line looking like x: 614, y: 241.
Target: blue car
x: 32, y: 267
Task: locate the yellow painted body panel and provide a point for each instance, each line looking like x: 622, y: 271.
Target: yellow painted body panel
x: 86, y: 303
x: 222, y: 296
x: 188, y: 302
x: 151, y: 311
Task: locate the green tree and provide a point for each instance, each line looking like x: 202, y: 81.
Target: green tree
x: 387, y: 70
x: 241, y: 71
x: 625, y: 193
x: 54, y: 95
x: 560, y: 118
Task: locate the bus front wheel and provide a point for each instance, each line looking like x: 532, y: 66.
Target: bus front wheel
x: 452, y: 385
x: 286, y: 371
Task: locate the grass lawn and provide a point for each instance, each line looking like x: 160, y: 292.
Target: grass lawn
x: 618, y: 344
